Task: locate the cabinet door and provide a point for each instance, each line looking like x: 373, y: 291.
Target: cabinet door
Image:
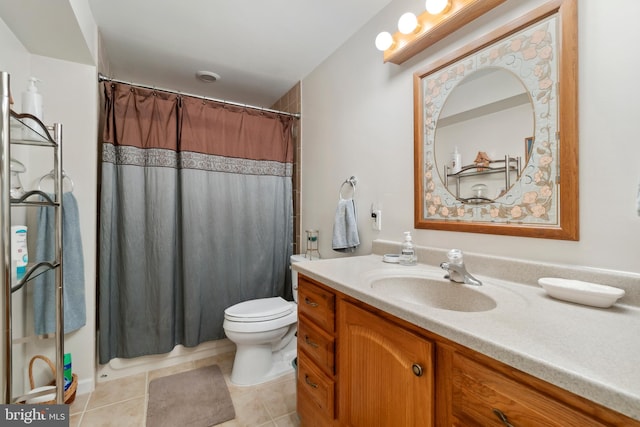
x: 385, y: 372
x: 482, y: 397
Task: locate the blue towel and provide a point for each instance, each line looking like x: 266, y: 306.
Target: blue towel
x: 44, y: 297
x: 345, y: 227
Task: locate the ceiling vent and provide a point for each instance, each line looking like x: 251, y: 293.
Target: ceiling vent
x: 207, y: 76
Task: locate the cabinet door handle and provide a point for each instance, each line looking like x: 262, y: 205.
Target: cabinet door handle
x: 417, y: 370
x: 310, y: 302
x: 309, y: 342
x: 502, y: 417
x: 308, y: 381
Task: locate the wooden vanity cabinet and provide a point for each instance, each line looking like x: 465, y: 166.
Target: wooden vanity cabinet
x: 316, y: 399
x: 475, y: 394
x: 359, y: 366
x: 386, y: 371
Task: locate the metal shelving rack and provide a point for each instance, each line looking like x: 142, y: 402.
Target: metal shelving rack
x: 47, y: 136
x: 509, y: 165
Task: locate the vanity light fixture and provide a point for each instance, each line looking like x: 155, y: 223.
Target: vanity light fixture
x: 436, y: 7
x: 441, y: 18
x: 408, y: 23
x: 384, y: 41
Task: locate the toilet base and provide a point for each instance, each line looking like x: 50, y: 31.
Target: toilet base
x: 256, y: 364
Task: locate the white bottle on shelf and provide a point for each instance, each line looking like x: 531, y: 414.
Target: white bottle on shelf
x: 19, y: 252
x: 32, y: 104
x: 456, y: 161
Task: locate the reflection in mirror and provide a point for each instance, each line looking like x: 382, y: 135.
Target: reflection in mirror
x: 488, y: 114
x: 515, y: 146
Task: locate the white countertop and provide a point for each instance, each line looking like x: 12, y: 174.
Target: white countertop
x: 592, y: 352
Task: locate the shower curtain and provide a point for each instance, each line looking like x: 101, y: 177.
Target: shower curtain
x: 195, y: 215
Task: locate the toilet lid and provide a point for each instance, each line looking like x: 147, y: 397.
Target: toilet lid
x: 259, y: 310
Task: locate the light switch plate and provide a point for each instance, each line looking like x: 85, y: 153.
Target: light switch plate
x: 376, y: 220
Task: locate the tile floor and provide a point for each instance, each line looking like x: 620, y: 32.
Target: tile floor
x: 123, y: 402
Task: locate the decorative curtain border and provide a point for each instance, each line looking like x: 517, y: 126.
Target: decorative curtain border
x: 156, y: 157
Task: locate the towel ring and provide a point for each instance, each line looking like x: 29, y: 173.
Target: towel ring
x: 50, y: 175
x: 351, y: 181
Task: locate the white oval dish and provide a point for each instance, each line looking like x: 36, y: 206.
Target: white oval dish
x: 580, y: 292
x: 391, y: 258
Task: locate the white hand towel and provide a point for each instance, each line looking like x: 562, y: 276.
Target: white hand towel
x: 345, y: 227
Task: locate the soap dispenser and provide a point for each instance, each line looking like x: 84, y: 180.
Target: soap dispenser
x: 32, y: 104
x: 408, y: 254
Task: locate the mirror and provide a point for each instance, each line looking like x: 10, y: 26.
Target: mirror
x: 508, y: 103
x: 483, y: 98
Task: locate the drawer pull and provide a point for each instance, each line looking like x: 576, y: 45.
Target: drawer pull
x: 502, y: 417
x: 309, y: 342
x: 308, y: 381
x: 417, y: 370
x: 310, y: 302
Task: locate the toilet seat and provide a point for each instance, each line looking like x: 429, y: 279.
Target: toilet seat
x: 251, y: 325
x: 259, y: 310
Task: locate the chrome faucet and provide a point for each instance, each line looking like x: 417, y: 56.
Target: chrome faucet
x: 456, y: 271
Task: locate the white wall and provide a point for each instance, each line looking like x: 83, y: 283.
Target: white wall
x: 70, y: 97
x: 14, y: 58
x: 358, y: 120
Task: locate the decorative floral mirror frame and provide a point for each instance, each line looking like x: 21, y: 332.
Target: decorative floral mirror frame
x: 541, y: 48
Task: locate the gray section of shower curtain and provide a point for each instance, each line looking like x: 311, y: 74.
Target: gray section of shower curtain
x: 188, y: 243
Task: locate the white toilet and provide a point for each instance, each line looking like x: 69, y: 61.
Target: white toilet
x: 263, y: 331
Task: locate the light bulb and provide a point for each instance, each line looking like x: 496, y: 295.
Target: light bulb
x: 435, y: 7
x: 384, y: 41
x: 408, y: 23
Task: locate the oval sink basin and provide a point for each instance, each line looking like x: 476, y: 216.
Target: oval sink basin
x: 437, y: 293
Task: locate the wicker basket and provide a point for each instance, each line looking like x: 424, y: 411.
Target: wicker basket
x: 69, y: 394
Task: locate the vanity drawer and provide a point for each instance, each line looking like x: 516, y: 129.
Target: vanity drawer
x: 481, y: 397
x: 317, y: 303
x: 315, y: 389
x: 317, y: 344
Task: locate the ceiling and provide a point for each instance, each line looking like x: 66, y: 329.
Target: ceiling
x: 260, y: 48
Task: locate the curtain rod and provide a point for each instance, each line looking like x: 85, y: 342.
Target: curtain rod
x: 103, y: 78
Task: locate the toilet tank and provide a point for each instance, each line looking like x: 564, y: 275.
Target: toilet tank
x: 294, y: 274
